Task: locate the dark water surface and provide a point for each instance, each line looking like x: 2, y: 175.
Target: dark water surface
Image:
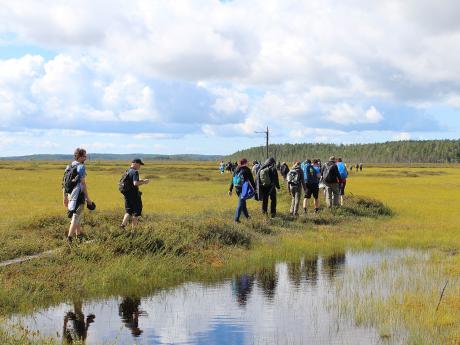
x: 289, y: 303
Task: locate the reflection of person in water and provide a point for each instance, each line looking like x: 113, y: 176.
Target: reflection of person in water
x: 295, y: 273
x: 267, y: 280
x: 333, y: 264
x: 129, y: 313
x: 242, y: 287
x: 311, y: 271
x: 77, y: 329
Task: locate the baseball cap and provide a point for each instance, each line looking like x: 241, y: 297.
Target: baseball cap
x: 138, y: 160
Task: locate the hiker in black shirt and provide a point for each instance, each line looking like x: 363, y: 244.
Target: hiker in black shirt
x: 330, y: 177
x: 267, y: 182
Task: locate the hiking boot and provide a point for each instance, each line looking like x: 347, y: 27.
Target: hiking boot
x: 69, y: 239
x: 237, y: 221
x: 122, y: 226
x: 316, y: 210
x: 81, y: 237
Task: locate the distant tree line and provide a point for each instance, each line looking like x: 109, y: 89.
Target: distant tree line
x: 409, y: 151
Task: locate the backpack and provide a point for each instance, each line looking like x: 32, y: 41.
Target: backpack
x: 125, y: 184
x: 327, y: 173
x: 70, y: 178
x: 293, y: 177
x: 247, y: 192
x: 310, y: 174
x: 265, y: 178
x: 342, y: 170
x: 238, y: 179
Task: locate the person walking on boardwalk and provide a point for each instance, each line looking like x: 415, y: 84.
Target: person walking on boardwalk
x: 330, y: 175
x: 75, y: 193
x: 312, y: 174
x: 241, y: 176
x: 343, y: 172
x: 129, y: 186
x: 296, y: 183
x: 267, y: 182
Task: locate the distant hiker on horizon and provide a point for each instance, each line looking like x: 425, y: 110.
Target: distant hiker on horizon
x: 222, y: 167
x: 75, y: 193
x: 296, y: 183
x: 243, y: 181
x: 343, y: 172
x: 129, y: 187
x: 357, y: 167
x: 330, y: 175
x: 312, y: 174
x: 360, y: 166
x: 267, y: 182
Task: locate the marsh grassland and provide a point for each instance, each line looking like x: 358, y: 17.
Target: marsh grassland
x: 188, y: 234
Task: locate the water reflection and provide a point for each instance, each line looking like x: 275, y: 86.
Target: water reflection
x: 75, y: 327
x: 267, y: 280
x: 283, y: 303
x: 333, y: 265
x: 129, y: 313
x: 242, y: 287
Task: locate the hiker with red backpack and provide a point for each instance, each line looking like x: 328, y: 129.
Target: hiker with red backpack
x: 330, y: 178
x: 296, y: 183
x: 129, y: 187
x: 75, y: 193
x: 267, y: 182
x: 243, y: 181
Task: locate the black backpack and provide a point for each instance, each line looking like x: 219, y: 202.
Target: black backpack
x: 293, y: 177
x: 328, y: 175
x: 125, y: 184
x: 70, y: 178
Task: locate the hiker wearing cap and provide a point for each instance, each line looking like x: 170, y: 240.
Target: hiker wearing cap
x: 267, y: 182
x: 133, y: 201
x: 243, y: 181
x: 330, y: 177
x: 296, y: 183
x: 75, y: 193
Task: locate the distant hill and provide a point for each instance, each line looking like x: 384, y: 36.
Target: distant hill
x: 409, y: 151
x: 118, y: 157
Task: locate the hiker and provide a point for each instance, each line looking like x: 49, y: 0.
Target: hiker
x: 241, y: 176
x: 330, y: 177
x: 266, y: 182
x: 296, y: 183
x: 312, y: 174
x: 343, y: 172
x: 255, y: 167
x: 284, y: 169
x: 360, y: 166
x: 357, y: 167
x: 222, y: 167
x: 75, y: 193
x: 351, y: 167
x: 132, y: 195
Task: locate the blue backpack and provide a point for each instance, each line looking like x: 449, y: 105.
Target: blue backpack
x: 309, y: 173
x: 342, y: 170
x: 238, y: 179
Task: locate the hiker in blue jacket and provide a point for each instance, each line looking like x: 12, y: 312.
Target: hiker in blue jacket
x: 343, y: 172
x: 241, y: 175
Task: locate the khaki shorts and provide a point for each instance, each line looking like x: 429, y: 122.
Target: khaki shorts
x: 76, y: 217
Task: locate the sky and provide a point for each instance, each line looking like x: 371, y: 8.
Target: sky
x: 203, y: 76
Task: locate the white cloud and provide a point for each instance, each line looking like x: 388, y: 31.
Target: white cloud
x: 402, y: 136
x: 346, y: 114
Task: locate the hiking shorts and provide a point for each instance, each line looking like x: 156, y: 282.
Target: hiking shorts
x: 133, y: 203
x: 312, y: 189
x: 342, y: 184
x: 77, y: 215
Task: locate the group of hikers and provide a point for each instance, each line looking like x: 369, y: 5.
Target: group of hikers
x: 75, y: 193
x: 262, y: 182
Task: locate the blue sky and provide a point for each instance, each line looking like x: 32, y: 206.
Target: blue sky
x: 203, y: 76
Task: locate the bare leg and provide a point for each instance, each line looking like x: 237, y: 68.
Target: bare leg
x: 134, y: 221
x: 125, y: 220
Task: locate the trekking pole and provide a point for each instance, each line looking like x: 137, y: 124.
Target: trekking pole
x: 442, y: 294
